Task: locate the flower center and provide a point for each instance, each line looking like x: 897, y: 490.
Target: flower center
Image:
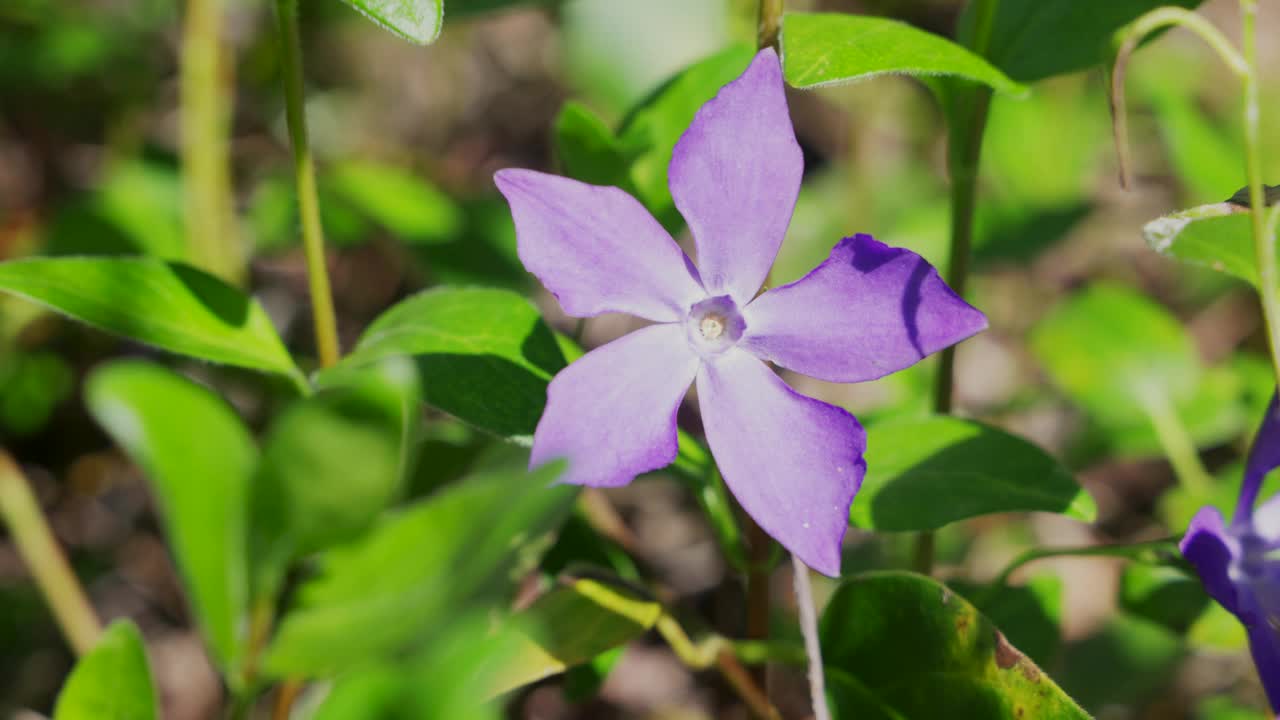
x: 714, y: 325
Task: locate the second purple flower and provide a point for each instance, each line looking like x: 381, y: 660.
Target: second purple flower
x: 794, y: 463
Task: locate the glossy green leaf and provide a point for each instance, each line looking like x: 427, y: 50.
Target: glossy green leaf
x: 925, y: 473
x: 418, y: 21
x: 484, y: 355
x: 171, y: 306
x: 827, y: 48
x: 408, y: 206
x: 1035, y: 39
x: 1117, y: 353
x: 331, y: 463
x: 1218, y: 236
x: 571, y: 625
x: 198, y: 457
x: 900, y: 645
x: 1029, y: 615
x: 458, y: 549
x: 112, y: 681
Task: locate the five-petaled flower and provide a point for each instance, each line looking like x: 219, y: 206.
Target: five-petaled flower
x: 1238, y: 563
x: 793, y: 463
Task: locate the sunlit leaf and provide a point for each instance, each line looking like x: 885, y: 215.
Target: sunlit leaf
x: 199, y: 457
x: 111, y: 682
x: 170, y: 306
x: 899, y: 645
x: 1218, y: 236
x: 484, y: 355
x: 924, y: 474
x: 827, y: 48
x: 418, y: 21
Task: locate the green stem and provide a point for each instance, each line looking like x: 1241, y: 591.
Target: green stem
x: 1264, y: 242
x: 210, y: 220
x: 36, y: 544
x: 326, y: 326
x: 716, y: 650
x: 694, y: 465
x: 1178, y: 445
x: 968, y: 106
x: 1151, y: 551
x: 1133, y: 34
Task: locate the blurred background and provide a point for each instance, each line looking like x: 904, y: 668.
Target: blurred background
x: 407, y: 139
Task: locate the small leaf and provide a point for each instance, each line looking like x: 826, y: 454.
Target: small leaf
x: 1218, y: 236
x: 826, y: 48
x: 462, y: 547
x: 406, y: 205
x: 572, y: 625
x: 330, y: 463
x: 484, y: 355
x: 899, y: 645
x: 1035, y: 39
x: 111, y: 682
x: 418, y: 21
x: 588, y: 149
x: 1117, y: 353
x: 198, y: 456
x: 171, y: 306
x: 924, y: 474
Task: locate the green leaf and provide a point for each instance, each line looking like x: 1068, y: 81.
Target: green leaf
x: 1217, y: 630
x: 199, y: 457
x: 826, y: 48
x: 408, y: 206
x: 571, y: 625
x: 1029, y: 615
x: 460, y: 548
x: 1218, y: 236
x: 588, y: 149
x: 925, y: 473
x: 170, y: 306
x: 330, y: 463
x: 1035, y: 39
x: 484, y: 355
x: 111, y: 682
x: 1128, y: 659
x: 417, y: 21
x: 1118, y: 354
x: 899, y: 645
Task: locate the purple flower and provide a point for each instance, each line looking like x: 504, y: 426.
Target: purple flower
x: 794, y: 463
x: 1238, y: 563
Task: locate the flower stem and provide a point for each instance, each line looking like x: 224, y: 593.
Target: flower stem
x: 326, y: 327
x: 967, y: 115
x: 210, y: 226
x: 758, y: 596
x: 770, y: 24
x: 1152, y: 551
x: 36, y: 544
x: 1178, y: 445
x: 812, y: 646
x: 1264, y: 241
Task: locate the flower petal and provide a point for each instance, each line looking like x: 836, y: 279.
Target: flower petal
x: 1210, y: 549
x: 794, y: 463
x: 868, y: 310
x: 1264, y: 644
x: 1264, y: 456
x: 612, y: 413
x: 735, y: 175
x: 597, y: 249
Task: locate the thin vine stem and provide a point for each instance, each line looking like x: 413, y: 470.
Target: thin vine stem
x: 1178, y: 445
x: 326, y: 326
x: 1151, y: 551
x: 29, y: 529
x: 969, y: 106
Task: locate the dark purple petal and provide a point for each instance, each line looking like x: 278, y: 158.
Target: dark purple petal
x: 597, y: 249
x: 1210, y: 549
x: 794, y: 463
x: 1264, y: 457
x: 612, y: 413
x: 867, y: 311
x: 1264, y: 644
x: 735, y: 175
